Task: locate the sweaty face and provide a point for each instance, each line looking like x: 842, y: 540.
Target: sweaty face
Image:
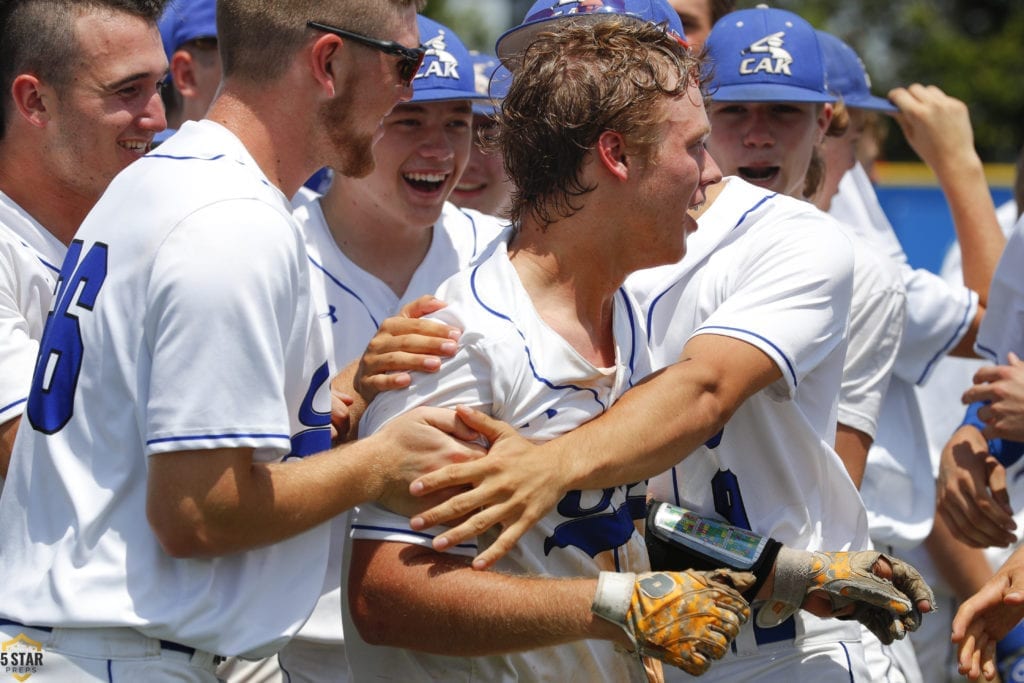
x: 483, y: 186
x: 674, y: 180
x: 420, y: 158
x: 354, y: 121
x: 696, y: 18
x: 767, y: 143
x: 105, y: 117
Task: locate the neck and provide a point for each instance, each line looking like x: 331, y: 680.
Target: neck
x: 571, y: 285
x: 275, y: 136
x: 56, y: 206
x: 389, y: 250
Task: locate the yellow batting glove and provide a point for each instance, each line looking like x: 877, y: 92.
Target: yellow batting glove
x: 686, y: 619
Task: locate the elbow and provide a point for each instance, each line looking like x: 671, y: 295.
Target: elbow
x: 179, y: 536
x: 373, y: 616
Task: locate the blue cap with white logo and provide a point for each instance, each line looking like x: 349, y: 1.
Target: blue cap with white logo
x: 447, y: 69
x: 185, y: 20
x: 847, y: 76
x: 766, y: 55
x: 492, y: 81
x: 543, y: 12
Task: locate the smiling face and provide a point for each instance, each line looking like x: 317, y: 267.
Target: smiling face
x: 420, y: 158
x: 767, y: 143
x: 105, y: 117
x: 484, y: 185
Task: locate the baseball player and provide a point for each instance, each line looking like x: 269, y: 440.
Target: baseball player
x: 355, y: 235
x: 189, y: 32
x: 484, y: 185
x: 179, y: 408
x: 549, y: 340
x: 56, y: 160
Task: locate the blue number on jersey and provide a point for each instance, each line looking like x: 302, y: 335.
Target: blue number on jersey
x: 728, y: 499
x: 593, y: 530
x: 51, y: 401
x: 318, y: 437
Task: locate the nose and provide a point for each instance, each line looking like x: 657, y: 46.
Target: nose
x: 153, y: 116
x: 758, y: 131
x: 435, y: 144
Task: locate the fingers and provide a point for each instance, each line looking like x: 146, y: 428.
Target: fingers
x: 425, y: 305
x: 445, y: 420
x: 490, y: 428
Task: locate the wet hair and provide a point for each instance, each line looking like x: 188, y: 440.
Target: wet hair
x: 571, y: 86
x: 258, y: 38
x: 38, y: 37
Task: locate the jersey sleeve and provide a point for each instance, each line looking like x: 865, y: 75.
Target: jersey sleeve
x: 790, y: 298
x: 464, y: 379
x: 17, y: 351
x: 221, y: 303
x: 1002, y: 329
x: 876, y: 326
x: 938, y: 316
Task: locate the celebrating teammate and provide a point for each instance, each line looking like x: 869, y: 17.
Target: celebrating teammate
x: 189, y: 32
x: 75, y: 114
x: 549, y: 340
x: 168, y: 505
x: 377, y: 242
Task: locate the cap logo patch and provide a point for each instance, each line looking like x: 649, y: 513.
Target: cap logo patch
x: 768, y: 57
x: 444, y: 64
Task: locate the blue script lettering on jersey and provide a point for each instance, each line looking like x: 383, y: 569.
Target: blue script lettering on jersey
x: 318, y: 437
x: 599, y: 528
x: 51, y: 400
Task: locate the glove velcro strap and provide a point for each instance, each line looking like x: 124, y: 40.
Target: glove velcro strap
x: 792, y: 575
x: 613, y: 597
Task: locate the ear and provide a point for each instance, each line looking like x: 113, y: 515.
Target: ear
x: 30, y: 97
x: 824, y: 119
x: 610, y: 151
x: 323, y: 61
x: 183, y: 72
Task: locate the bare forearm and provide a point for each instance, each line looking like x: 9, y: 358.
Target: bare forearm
x: 344, y: 382
x: 852, y: 446
x: 964, y: 568
x: 408, y: 597
x: 8, y: 431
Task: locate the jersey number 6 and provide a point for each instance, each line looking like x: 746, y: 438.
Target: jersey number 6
x: 51, y: 400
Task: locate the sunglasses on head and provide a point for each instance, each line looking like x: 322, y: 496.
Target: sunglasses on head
x: 409, y: 58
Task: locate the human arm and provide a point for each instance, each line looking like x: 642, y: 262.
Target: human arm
x: 1002, y: 388
x: 938, y: 128
x: 220, y: 501
x: 8, y: 430
x: 852, y: 446
x: 445, y: 607
x: 987, y: 616
x: 965, y: 568
x: 643, y: 434
x: 971, y: 492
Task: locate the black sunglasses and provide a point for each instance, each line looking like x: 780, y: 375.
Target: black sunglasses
x: 409, y: 58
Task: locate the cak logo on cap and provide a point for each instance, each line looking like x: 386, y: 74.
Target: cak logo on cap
x: 769, y: 57
x: 444, y: 64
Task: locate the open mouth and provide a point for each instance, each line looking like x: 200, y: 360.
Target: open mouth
x: 758, y: 174
x: 425, y: 182
x: 139, y: 147
x: 470, y: 187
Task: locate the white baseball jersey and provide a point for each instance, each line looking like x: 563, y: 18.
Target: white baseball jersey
x: 512, y: 365
x: 351, y: 303
x: 183, y: 320
x: 877, y: 313
x: 1002, y: 329
x: 31, y: 257
x: 898, y: 487
x: 776, y: 273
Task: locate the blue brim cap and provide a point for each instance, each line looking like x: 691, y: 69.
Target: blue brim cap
x: 544, y: 15
x: 447, y: 69
x: 847, y: 76
x: 185, y: 20
x: 766, y: 55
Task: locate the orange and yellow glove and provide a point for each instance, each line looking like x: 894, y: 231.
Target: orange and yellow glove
x: 686, y: 619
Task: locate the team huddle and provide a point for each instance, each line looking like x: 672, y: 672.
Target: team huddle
x: 332, y: 350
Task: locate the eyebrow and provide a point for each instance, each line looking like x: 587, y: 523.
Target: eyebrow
x: 117, y: 85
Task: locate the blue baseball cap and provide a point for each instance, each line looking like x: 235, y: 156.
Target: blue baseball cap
x: 447, y: 69
x: 766, y: 55
x: 185, y: 20
x: 491, y: 80
x: 543, y: 12
x: 847, y: 76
